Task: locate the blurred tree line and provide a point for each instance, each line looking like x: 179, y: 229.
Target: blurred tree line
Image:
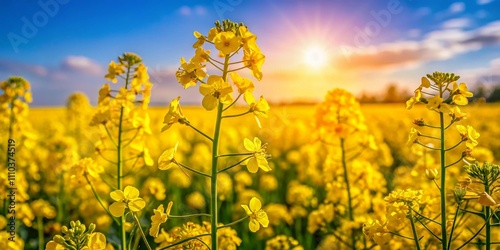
x: 395, y: 94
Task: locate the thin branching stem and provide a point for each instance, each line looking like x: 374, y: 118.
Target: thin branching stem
x: 192, y: 170
x: 234, y: 165
x: 199, y: 131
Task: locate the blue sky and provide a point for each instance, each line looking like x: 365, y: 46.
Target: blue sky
x: 368, y: 44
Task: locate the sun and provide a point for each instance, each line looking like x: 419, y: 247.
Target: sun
x: 315, y: 57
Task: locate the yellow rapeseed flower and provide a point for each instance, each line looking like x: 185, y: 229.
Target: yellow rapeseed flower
x: 174, y: 114
x: 97, y: 241
x: 114, y: 70
x: 253, y: 59
x: 460, y: 94
x: 227, y: 42
x: 258, y: 108
x: 259, y: 159
x: 244, y: 85
x: 160, y: 216
x: 257, y: 215
x: 129, y: 198
x: 167, y: 160
x: 412, y: 137
x: 415, y: 99
x: 215, y: 90
x: 469, y: 134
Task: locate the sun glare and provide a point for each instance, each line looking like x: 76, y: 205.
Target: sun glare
x: 315, y: 57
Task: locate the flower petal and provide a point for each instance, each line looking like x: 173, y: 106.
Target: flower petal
x: 136, y: 205
x: 254, y: 226
x: 117, y: 209
x: 206, y: 89
x: 131, y: 192
x: 209, y: 102
x: 117, y: 195
x: 255, y: 204
x: 248, y: 145
x: 262, y: 218
x: 252, y: 165
x: 247, y: 210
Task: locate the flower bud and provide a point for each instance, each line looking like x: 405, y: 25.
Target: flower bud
x: 419, y: 122
x: 64, y: 229
x: 91, y: 227
x: 59, y: 239
x: 459, y: 192
x: 431, y: 173
x: 82, y: 228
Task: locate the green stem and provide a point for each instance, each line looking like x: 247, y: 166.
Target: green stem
x: 214, y: 220
x: 461, y: 158
x: 230, y: 105
x: 430, y: 126
x: 236, y: 115
x: 234, y: 222
x: 100, y: 200
x: 473, y: 236
x: 199, y: 131
x: 453, y: 225
x: 425, y: 146
x: 443, y: 183
x: 236, y: 154
x: 185, y: 240
x: 240, y: 68
x: 41, y: 241
x: 400, y: 235
x: 429, y: 136
x: 451, y: 123
x: 210, y: 61
x: 487, y: 212
x: 423, y: 216
x: 349, y: 200
x: 193, y: 170
x: 109, y: 134
x: 142, y: 232
x: 428, y: 229
x: 188, y: 216
x: 234, y: 165
x: 456, y: 145
x: 414, y: 231
x: 119, y: 163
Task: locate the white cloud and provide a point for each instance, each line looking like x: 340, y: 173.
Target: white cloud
x: 414, y: 33
x: 200, y: 10
x: 481, y: 14
x: 436, y: 45
x: 188, y: 11
x: 424, y: 11
x: 185, y: 10
x: 481, y: 2
x: 456, y: 23
x: 81, y: 64
x: 457, y: 7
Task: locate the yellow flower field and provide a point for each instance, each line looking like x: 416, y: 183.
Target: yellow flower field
x: 293, y: 193
x: 238, y: 173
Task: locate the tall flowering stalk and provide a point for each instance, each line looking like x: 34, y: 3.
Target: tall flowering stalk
x: 341, y: 125
x: 485, y: 177
x: 16, y: 94
x: 442, y: 96
x: 229, y: 39
x: 123, y: 122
